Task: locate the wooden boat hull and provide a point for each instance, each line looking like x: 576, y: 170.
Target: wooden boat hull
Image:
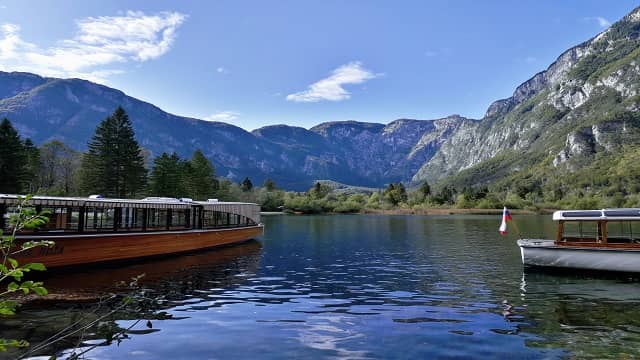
x: 545, y: 253
x: 93, y: 248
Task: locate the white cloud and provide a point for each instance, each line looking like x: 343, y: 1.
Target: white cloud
x: 331, y: 88
x: 431, y: 53
x: 604, y: 23
x: 224, y: 116
x: 222, y: 70
x: 100, y: 42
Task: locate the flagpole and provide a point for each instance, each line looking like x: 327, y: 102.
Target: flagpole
x: 515, y: 226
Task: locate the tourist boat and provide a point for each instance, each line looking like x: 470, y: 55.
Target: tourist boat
x: 602, y: 240
x: 96, y: 229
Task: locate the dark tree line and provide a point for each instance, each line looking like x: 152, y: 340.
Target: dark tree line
x: 19, y: 161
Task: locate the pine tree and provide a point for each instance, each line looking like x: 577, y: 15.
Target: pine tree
x: 202, y: 177
x: 114, y: 165
x: 32, y: 167
x: 247, y: 185
x: 425, y: 189
x: 166, y: 176
x: 13, y: 170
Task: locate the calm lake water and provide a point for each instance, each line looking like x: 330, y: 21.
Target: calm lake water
x: 357, y: 287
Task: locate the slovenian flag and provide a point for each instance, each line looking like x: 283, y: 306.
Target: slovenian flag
x: 505, y: 217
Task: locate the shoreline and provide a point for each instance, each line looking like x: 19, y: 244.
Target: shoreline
x: 430, y: 211
x: 445, y: 211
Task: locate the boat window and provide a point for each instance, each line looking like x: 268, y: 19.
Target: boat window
x: 99, y: 219
x: 179, y: 218
x: 580, y: 231
x: 8, y: 213
x: 156, y: 219
x: 130, y: 219
x: 61, y: 219
x: 623, y: 231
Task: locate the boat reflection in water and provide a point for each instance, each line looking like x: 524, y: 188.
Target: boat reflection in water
x: 587, y: 313
x: 170, y: 281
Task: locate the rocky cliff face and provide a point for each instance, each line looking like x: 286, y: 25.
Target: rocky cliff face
x: 568, y: 109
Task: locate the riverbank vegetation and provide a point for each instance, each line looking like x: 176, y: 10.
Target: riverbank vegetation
x: 115, y: 165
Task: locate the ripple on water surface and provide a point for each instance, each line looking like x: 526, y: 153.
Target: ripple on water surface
x: 382, y: 287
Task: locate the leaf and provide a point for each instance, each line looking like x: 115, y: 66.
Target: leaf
x: 4, y: 311
x: 39, y: 290
x: 13, y: 286
x: 17, y: 274
x: 13, y: 262
x: 35, y: 266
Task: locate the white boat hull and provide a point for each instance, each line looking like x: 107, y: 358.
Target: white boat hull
x: 546, y: 254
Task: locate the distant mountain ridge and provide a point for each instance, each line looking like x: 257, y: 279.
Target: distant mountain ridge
x: 350, y: 152
x: 585, y: 104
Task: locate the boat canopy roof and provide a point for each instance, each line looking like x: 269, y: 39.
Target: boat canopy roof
x: 597, y: 215
x: 98, y: 201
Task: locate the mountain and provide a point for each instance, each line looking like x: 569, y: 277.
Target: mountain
x: 582, y: 110
x: 579, y: 116
x: 350, y: 152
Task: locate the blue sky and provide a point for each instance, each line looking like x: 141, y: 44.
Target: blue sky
x: 257, y: 63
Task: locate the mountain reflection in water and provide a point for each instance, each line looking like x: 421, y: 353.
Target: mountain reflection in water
x: 361, y: 287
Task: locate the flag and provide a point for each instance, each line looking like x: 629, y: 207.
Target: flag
x: 505, y: 217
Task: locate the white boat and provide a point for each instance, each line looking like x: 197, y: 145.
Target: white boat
x: 602, y: 240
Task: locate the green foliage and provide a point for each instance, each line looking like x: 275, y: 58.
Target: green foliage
x: 14, y: 164
x: 597, y: 63
x: 246, y: 185
x: 172, y: 176
x: 32, y: 166
x: 114, y: 165
x: 319, y: 190
x: 167, y: 176
x: 395, y: 193
x: 11, y: 272
x: 59, y: 168
x: 269, y: 185
x: 425, y: 189
x: 270, y: 200
x: 201, y: 177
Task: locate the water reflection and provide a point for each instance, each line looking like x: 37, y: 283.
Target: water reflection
x: 375, y: 287
x: 593, y: 316
x: 75, y: 295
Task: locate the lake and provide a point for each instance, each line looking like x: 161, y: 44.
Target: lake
x: 357, y: 287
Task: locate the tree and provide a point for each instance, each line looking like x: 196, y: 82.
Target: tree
x: 202, y: 177
x: 445, y: 196
x: 319, y: 190
x: 114, y: 165
x: 31, y: 167
x: 395, y: 193
x: 247, y: 185
x: 166, y: 179
x: 425, y: 189
x: 13, y: 169
x: 59, y: 166
x: 269, y: 185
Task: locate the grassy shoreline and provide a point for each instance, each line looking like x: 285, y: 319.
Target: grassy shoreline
x: 430, y: 211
